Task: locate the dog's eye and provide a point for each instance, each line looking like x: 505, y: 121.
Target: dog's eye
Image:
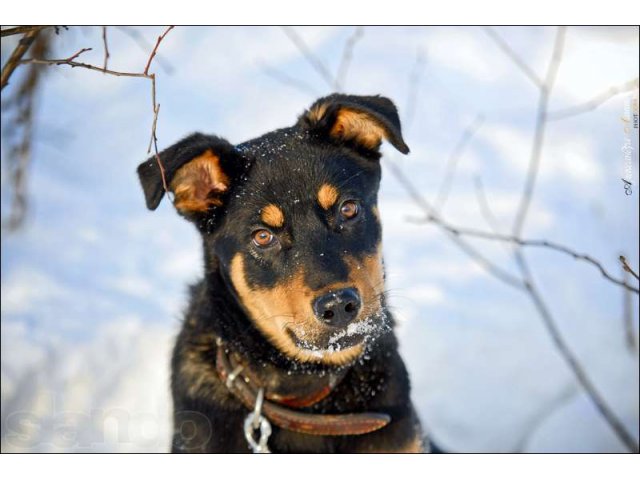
x: 349, y: 209
x: 263, y: 238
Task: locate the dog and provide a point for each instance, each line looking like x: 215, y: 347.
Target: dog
x: 288, y: 344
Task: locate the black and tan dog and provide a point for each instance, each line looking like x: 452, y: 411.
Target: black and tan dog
x: 292, y: 305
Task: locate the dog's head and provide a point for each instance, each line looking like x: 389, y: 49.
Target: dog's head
x: 291, y: 222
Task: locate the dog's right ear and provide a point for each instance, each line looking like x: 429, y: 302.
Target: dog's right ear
x: 199, y: 170
x: 355, y: 120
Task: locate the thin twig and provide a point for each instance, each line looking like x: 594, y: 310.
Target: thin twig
x: 156, y: 111
x: 607, y: 413
x: 543, y: 413
x: 17, y: 54
x: 66, y: 61
x: 155, y: 49
x: 413, y: 89
x: 70, y: 61
x: 154, y: 137
x: 347, y: 56
x: 483, y: 203
x: 481, y: 234
x: 453, y: 235
x: 534, y: 294
x: 315, y: 62
x: 627, y: 315
x: 288, y: 80
x: 627, y: 267
x: 428, y: 210
x: 594, y: 103
x: 452, y: 162
x: 524, y: 68
x: 139, y: 39
x: 77, y: 54
x: 538, y: 138
x: 106, y: 48
x: 487, y: 212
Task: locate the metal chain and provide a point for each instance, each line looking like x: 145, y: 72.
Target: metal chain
x: 254, y: 422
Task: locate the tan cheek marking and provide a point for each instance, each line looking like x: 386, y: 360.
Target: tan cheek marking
x: 327, y: 196
x: 196, y: 183
x: 285, y: 306
x: 272, y: 215
x: 358, y: 126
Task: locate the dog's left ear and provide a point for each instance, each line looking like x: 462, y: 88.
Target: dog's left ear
x: 200, y: 170
x: 360, y: 121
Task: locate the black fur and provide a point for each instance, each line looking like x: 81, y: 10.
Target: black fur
x: 285, y: 167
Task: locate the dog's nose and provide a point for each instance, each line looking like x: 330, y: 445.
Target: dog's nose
x: 338, y: 308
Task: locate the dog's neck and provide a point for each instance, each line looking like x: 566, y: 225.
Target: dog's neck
x: 292, y: 389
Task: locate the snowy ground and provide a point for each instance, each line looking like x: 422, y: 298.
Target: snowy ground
x: 93, y: 286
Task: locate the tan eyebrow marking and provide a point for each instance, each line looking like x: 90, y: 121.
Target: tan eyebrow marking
x: 327, y: 196
x: 272, y: 215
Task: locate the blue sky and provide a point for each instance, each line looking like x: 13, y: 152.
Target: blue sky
x: 94, y: 284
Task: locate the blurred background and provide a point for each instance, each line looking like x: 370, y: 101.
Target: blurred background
x: 93, y: 284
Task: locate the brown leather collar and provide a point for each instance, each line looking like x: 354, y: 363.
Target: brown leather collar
x: 245, y: 388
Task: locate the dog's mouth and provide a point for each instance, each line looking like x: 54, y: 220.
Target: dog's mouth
x: 356, y: 334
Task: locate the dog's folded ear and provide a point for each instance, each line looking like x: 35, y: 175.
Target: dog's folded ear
x: 199, y: 170
x: 361, y: 121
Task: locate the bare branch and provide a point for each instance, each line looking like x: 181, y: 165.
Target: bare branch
x: 155, y: 49
x: 483, y: 203
x: 429, y: 211
x: 139, y: 39
x: 71, y: 63
x: 627, y: 315
x: 487, y: 212
x: 347, y: 56
x: 76, y: 55
x: 286, y: 79
x: 153, y: 142
x: 533, y: 293
x: 452, y: 233
x: 413, y: 89
x: 452, y: 162
x: 627, y: 268
x: 538, y: 139
x: 154, y: 137
x: 471, y: 232
x: 21, y: 29
x: 17, y: 54
x: 315, y: 62
x: 545, y: 410
x: 515, y: 58
x: 581, y: 376
x: 594, y: 103
x: 156, y: 110
x: 18, y: 134
x: 106, y: 48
